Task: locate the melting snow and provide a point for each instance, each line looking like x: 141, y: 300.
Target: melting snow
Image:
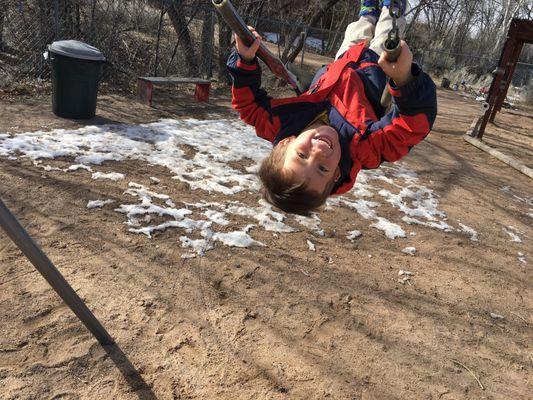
x: 352, y: 235
x: 99, y: 203
x: 409, y: 250
x: 470, y: 231
x: 114, y: 176
x: 216, y: 144
x: 514, y: 236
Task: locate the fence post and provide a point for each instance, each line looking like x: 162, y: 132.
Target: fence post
x: 159, y: 27
x: 3, y: 9
x: 211, y: 46
x: 56, y: 19
x: 303, y: 48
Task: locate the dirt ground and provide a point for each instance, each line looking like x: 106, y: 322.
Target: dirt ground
x: 249, y: 323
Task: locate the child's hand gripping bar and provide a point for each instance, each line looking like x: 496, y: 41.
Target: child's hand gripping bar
x: 237, y: 25
x: 393, y: 43
x: 392, y: 46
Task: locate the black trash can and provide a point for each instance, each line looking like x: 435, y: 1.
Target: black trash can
x: 77, y: 69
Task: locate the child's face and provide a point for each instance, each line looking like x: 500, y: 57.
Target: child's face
x: 313, y: 156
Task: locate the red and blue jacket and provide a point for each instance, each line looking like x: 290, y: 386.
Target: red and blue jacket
x: 349, y: 89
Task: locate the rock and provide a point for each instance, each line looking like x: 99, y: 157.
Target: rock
x: 409, y: 250
x: 408, y: 273
x: 496, y: 316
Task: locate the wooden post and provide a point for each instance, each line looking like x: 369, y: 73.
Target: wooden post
x: 202, y: 92
x: 510, y: 69
x: 145, y: 91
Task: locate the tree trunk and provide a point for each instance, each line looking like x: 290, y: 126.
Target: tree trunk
x: 289, y: 51
x: 207, y: 42
x: 224, y: 48
x: 182, y: 30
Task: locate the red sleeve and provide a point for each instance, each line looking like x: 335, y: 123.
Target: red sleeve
x: 251, y: 102
x: 407, y: 124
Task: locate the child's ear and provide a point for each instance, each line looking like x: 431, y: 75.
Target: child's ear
x: 337, y: 174
x: 286, y: 140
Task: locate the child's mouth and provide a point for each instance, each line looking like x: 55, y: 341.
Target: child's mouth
x: 325, y: 140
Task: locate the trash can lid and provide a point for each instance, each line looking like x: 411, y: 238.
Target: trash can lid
x: 76, y: 49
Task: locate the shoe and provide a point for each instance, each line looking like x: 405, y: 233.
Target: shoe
x: 370, y: 8
x: 387, y: 3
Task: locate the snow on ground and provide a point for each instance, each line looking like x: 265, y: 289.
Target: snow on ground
x: 99, y: 203
x: 520, y: 199
x: 311, y: 42
x: 114, y: 176
x: 469, y: 231
x: 217, y: 143
x: 513, y: 234
x: 352, y: 235
x: 409, y: 250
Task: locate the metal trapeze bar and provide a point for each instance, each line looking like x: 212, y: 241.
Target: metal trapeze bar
x: 42, y: 263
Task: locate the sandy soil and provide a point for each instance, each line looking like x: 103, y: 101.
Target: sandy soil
x: 280, y: 322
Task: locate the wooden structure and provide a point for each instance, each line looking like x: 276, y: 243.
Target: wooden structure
x: 145, y: 87
x: 520, y: 32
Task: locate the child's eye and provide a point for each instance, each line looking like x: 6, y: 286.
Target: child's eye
x: 322, y: 168
x: 301, y: 155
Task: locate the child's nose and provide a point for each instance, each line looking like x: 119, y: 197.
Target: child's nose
x: 318, y: 153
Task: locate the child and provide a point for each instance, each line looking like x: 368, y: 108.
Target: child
x: 325, y: 136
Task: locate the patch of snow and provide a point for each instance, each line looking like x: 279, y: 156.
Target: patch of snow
x: 527, y: 200
x: 522, y: 258
x: 311, y: 245
x: 76, y: 167
x: 217, y: 217
x: 312, y: 223
x: 236, y: 239
x: 392, y: 230
x: 469, y: 231
x: 217, y: 142
x: 409, y: 251
x: 514, y: 237
x: 114, y: 176
x: 408, y: 273
x: 352, y: 235
x: 99, y: 203
x: 199, y: 246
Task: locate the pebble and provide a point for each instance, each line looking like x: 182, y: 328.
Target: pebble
x: 496, y: 316
x: 409, y: 250
x: 408, y: 273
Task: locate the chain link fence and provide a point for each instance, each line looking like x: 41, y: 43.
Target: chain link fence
x: 167, y: 38
x: 442, y: 61
x: 138, y: 37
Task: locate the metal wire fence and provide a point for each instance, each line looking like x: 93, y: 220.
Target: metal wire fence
x: 138, y: 37
x: 165, y: 38
x: 442, y: 61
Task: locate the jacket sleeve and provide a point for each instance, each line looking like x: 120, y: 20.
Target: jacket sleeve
x: 410, y: 120
x: 252, y: 102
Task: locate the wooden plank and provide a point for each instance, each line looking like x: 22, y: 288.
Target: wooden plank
x: 500, y: 156
x: 170, y: 80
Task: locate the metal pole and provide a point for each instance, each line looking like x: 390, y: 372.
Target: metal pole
x: 40, y: 261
